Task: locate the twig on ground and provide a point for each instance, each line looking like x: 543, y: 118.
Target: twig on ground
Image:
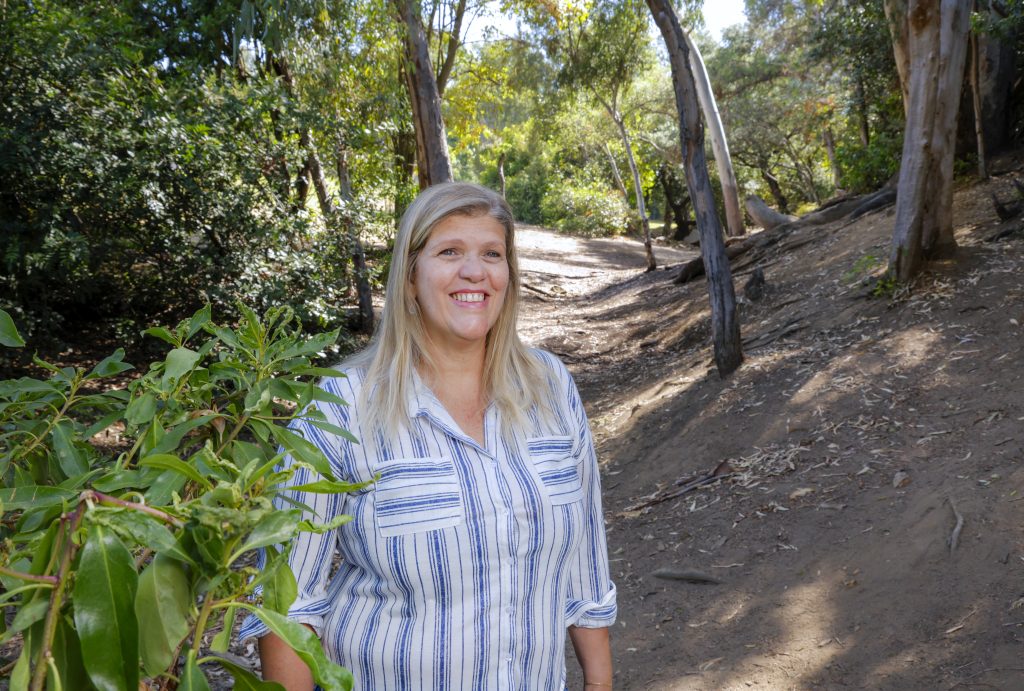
x: 954, y: 538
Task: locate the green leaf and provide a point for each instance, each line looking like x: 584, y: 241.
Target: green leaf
x: 320, y: 528
x: 160, y: 492
x: 178, y: 362
x: 32, y: 497
x: 67, y: 657
x: 258, y: 396
x: 325, y: 396
x: 170, y: 439
x: 21, y: 674
x: 313, y: 345
x: 222, y: 641
x: 110, y: 365
x: 161, y: 333
x: 28, y: 614
x: 103, y: 423
x: 141, y: 410
x: 104, y: 598
x: 71, y: 459
x: 281, y: 589
x: 302, y: 449
x: 319, y: 372
x: 307, y: 646
x: 227, y: 336
x: 332, y: 428
x: 275, y: 528
x: 331, y: 487
x: 198, y: 321
x: 193, y: 678
x: 150, y: 532
x: 166, y: 461
x: 163, y: 602
x: 9, y: 335
x: 244, y: 679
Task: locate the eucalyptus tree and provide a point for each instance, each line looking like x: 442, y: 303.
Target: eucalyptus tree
x: 930, y: 44
x: 725, y: 328
x: 603, y: 46
x: 433, y: 162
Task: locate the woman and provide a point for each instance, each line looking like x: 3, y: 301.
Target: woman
x: 482, y: 541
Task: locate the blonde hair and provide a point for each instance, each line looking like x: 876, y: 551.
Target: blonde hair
x: 514, y: 379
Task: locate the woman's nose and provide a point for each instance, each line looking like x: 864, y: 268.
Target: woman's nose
x: 472, y: 268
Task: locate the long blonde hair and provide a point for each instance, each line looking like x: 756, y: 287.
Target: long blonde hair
x: 514, y: 378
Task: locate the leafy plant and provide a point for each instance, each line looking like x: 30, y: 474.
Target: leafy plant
x: 160, y: 527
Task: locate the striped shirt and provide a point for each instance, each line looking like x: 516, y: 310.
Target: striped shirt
x: 464, y: 563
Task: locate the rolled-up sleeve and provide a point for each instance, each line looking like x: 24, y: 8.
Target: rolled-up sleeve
x: 311, y: 553
x: 591, y: 595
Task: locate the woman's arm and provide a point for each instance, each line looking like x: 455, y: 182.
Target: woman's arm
x: 594, y: 653
x: 283, y: 665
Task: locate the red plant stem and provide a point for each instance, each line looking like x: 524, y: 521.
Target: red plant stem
x: 28, y: 576
x: 108, y: 500
x: 69, y: 525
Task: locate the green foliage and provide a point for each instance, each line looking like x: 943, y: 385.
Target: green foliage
x: 589, y: 209
x: 866, y: 168
x: 185, y: 498
x: 138, y: 177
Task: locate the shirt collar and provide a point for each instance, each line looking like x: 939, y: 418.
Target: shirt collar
x: 424, y: 403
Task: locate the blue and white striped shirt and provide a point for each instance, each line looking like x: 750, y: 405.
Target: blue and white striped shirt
x: 463, y: 564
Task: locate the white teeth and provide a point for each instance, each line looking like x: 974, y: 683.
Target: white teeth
x: 469, y: 297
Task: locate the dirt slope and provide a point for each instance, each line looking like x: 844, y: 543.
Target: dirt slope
x: 855, y: 434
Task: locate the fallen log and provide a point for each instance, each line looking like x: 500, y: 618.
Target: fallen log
x: 873, y: 202
x: 763, y: 215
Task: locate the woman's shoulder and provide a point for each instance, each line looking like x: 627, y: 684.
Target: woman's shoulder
x: 551, y: 363
x: 347, y: 381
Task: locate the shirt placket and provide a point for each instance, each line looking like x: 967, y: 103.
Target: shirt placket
x: 504, y: 503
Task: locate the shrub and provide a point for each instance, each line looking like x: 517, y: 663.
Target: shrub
x: 591, y: 210
x: 165, y: 522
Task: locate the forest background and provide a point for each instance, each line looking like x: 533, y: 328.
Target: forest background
x: 161, y: 155
x: 238, y: 169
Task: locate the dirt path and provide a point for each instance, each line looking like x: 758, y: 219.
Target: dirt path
x: 856, y: 434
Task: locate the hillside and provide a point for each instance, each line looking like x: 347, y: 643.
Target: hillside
x: 857, y: 434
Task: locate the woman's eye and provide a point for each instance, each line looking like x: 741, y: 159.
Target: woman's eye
x: 493, y: 254
x: 447, y: 252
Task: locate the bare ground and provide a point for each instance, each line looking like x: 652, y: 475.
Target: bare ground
x: 857, y: 432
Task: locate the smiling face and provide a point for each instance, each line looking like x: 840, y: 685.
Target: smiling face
x: 459, y: 281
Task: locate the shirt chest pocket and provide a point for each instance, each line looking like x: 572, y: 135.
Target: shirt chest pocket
x: 558, y: 468
x: 415, y: 495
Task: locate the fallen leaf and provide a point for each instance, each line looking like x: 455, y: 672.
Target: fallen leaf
x: 800, y: 492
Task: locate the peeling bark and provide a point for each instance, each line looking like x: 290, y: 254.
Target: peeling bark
x: 719, y: 144
x: 433, y: 162
x: 930, y: 44
x: 725, y: 327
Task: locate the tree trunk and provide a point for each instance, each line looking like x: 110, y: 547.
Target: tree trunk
x: 862, y: 114
x: 332, y: 213
x: 454, y: 41
x: 404, y: 142
x: 433, y: 163
x: 719, y: 144
x: 725, y: 327
x: 682, y: 217
x: 933, y: 38
x: 363, y: 291
x: 979, y: 121
x: 764, y: 215
x: 615, y: 173
x: 501, y: 173
x: 830, y: 150
x: 638, y: 188
x: 997, y: 75
x: 774, y: 188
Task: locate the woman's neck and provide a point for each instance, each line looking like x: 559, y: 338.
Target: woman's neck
x: 457, y: 380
